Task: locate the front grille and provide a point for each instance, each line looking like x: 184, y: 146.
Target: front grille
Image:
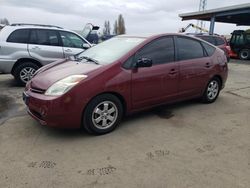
x: 37, y: 90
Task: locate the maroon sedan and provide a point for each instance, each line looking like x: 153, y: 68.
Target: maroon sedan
x: 125, y: 74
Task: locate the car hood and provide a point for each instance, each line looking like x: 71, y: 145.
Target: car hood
x: 50, y: 74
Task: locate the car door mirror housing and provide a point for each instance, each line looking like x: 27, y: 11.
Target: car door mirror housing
x: 85, y: 46
x: 144, y: 62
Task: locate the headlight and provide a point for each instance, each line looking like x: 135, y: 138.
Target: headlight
x: 64, y: 85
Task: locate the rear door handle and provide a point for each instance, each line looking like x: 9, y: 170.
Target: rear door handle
x: 68, y: 50
x: 208, y: 65
x: 172, y: 72
x: 36, y: 48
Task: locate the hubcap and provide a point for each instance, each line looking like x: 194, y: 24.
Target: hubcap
x: 27, y: 73
x: 104, y: 115
x: 212, y: 90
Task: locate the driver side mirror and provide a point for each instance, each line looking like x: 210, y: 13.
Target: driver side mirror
x: 85, y: 46
x: 144, y: 62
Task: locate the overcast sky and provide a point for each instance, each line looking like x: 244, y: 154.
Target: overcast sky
x: 141, y: 16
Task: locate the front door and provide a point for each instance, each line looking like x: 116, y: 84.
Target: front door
x: 72, y: 43
x: 159, y: 83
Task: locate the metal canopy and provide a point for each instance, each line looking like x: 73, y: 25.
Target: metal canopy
x: 238, y: 14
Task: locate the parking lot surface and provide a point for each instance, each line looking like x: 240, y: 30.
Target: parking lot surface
x: 188, y: 144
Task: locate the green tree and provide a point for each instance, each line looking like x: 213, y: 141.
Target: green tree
x: 4, y: 21
x: 115, y: 31
x: 121, y: 25
x: 106, y: 29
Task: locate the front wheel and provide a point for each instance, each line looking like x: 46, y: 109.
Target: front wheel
x: 24, y: 72
x: 102, y: 114
x: 212, y: 91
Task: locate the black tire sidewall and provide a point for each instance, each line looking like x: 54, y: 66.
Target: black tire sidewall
x: 19, y: 68
x: 87, y: 117
x: 205, y: 98
x: 244, y: 51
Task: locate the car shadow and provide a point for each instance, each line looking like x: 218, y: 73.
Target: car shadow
x: 164, y: 112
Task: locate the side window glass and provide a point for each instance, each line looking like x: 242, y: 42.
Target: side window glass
x: 189, y: 49
x: 159, y: 51
x: 71, y: 40
x: 33, y: 37
x: 209, y: 49
x: 209, y: 39
x: 46, y: 37
x: 219, y: 41
x: 19, y: 36
x: 128, y: 63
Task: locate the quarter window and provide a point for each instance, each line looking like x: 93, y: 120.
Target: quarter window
x: 209, y: 49
x: 19, y: 36
x: 219, y: 41
x: 159, y: 51
x: 189, y: 49
x: 71, y: 40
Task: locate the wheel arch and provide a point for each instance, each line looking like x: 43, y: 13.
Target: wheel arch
x: 20, y: 61
x: 219, y: 78
x: 116, y: 94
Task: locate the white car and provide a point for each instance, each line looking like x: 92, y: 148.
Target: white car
x: 24, y: 48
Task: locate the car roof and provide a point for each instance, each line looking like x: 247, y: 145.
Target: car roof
x: 148, y: 36
x: 36, y: 26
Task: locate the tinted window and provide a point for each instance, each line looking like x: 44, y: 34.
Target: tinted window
x: 44, y: 37
x: 209, y: 49
x: 209, y: 39
x: 19, y: 36
x: 189, y: 49
x: 71, y: 40
x: 159, y: 51
x: 219, y: 41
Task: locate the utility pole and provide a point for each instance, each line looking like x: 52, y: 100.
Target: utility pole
x: 202, y: 7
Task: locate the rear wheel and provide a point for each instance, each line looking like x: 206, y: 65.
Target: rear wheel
x: 244, y: 54
x: 212, y: 90
x: 102, y: 114
x: 24, y: 72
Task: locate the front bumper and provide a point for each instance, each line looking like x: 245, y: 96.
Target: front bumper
x: 60, y: 112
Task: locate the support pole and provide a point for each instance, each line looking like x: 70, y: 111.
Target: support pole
x: 212, y: 22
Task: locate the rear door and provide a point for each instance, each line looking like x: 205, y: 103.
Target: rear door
x: 72, y: 43
x: 15, y: 45
x: 44, y: 45
x: 159, y: 83
x: 195, y: 66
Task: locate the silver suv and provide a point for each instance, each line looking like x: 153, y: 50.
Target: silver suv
x: 24, y: 48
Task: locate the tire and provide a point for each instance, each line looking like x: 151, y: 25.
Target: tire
x: 244, y: 54
x: 103, y: 114
x: 24, y: 72
x: 212, y: 91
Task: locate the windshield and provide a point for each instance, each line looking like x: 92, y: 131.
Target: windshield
x: 111, y: 50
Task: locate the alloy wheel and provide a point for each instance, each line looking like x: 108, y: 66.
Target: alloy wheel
x: 104, y: 115
x: 27, y: 73
x: 212, y: 90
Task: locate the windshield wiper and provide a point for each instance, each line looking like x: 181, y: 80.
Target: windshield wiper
x: 88, y: 59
